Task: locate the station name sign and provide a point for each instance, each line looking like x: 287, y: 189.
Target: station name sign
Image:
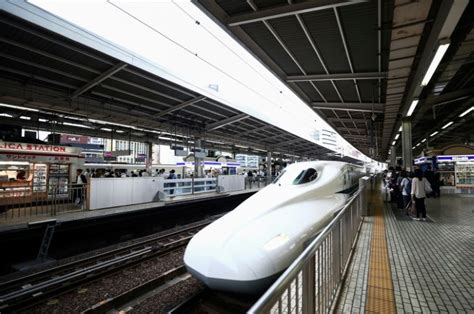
x: 37, y: 148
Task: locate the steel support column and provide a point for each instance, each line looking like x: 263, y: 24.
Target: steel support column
x: 149, y: 159
x: 407, y: 152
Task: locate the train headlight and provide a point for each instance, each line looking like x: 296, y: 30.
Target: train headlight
x: 276, y: 242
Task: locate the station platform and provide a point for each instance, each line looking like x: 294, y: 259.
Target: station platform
x: 405, y: 266
x: 22, y: 222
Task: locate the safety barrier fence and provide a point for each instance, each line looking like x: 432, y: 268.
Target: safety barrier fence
x: 311, y: 283
x: 25, y: 201
x: 176, y: 187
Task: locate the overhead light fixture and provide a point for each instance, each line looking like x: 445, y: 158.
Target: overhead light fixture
x: 25, y: 118
x: 418, y: 144
x: 413, y: 147
x: 397, y: 136
x: 412, y: 107
x: 447, y: 124
x: 393, y: 143
x: 423, y: 140
x: 434, y: 63
x: 400, y: 129
x: 434, y: 133
x: 19, y: 107
x: 466, y: 112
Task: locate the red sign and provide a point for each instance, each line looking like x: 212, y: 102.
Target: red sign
x: 32, y: 147
x: 71, y: 139
x: 12, y: 147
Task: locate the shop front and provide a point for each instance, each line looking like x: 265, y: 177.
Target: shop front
x: 456, y: 172
x: 31, y: 173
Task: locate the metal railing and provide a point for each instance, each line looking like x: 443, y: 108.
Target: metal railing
x: 46, y: 200
x: 311, y: 283
x: 176, y: 187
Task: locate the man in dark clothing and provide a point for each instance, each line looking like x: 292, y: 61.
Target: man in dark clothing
x: 81, y: 182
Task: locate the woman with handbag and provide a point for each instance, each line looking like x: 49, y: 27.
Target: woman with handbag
x: 420, y: 187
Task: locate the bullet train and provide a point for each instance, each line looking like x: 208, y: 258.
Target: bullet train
x: 247, y: 249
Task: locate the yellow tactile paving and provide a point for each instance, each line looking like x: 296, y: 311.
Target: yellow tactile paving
x: 380, y: 296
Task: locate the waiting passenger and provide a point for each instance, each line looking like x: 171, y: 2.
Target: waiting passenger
x: 405, y: 187
x: 172, y: 174
x: 420, y: 187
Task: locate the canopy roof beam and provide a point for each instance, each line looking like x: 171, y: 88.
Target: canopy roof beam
x: 286, y: 10
x: 337, y: 77
x: 222, y: 123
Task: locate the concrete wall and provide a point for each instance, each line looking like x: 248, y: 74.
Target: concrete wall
x: 111, y: 192
x: 231, y: 183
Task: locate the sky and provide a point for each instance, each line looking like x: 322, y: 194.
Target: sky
x: 179, y: 39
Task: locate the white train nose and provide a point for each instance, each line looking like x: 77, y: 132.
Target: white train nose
x: 231, y: 276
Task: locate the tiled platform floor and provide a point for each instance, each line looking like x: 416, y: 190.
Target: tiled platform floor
x: 354, y: 291
x: 431, y: 262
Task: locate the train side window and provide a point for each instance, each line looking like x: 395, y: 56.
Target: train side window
x: 306, y: 176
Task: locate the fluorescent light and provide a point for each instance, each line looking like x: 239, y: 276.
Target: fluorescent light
x: 77, y: 125
x: 434, y: 63
x: 397, y: 136
x: 423, y: 140
x: 393, y: 143
x: 447, y: 124
x: 6, y: 115
x: 413, y: 147
x: 106, y: 129
x: 466, y: 112
x: 25, y: 118
x: 418, y: 144
x: 400, y: 129
x: 412, y: 107
x: 19, y: 107
x: 42, y: 120
x: 434, y: 133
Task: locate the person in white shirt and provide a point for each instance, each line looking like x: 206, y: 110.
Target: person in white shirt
x: 419, y: 187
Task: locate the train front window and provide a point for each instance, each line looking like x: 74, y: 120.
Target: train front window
x: 296, y: 176
x: 306, y: 176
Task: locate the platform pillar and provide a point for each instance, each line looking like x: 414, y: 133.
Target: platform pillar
x: 149, y: 158
x: 407, y: 150
x: 269, y: 167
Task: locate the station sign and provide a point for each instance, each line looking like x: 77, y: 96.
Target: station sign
x: 14, y: 147
x: 422, y: 160
x: 454, y: 158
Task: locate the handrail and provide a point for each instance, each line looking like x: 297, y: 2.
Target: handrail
x: 271, y: 296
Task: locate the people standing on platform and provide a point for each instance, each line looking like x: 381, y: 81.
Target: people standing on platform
x: 81, y: 181
x: 405, y: 187
x: 172, y: 176
x: 420, y: 187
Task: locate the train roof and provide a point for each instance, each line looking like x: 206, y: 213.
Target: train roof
x: 319, y: 163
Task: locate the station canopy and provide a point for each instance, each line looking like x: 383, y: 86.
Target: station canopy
x: 346, y: 72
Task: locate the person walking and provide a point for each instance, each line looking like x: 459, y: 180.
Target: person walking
x: 419, y: 188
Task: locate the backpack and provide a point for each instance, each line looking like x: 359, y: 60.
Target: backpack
x: 84, y: 179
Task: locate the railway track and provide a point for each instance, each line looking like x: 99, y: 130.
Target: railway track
x: 24, y: 292
x: 208, y: 301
